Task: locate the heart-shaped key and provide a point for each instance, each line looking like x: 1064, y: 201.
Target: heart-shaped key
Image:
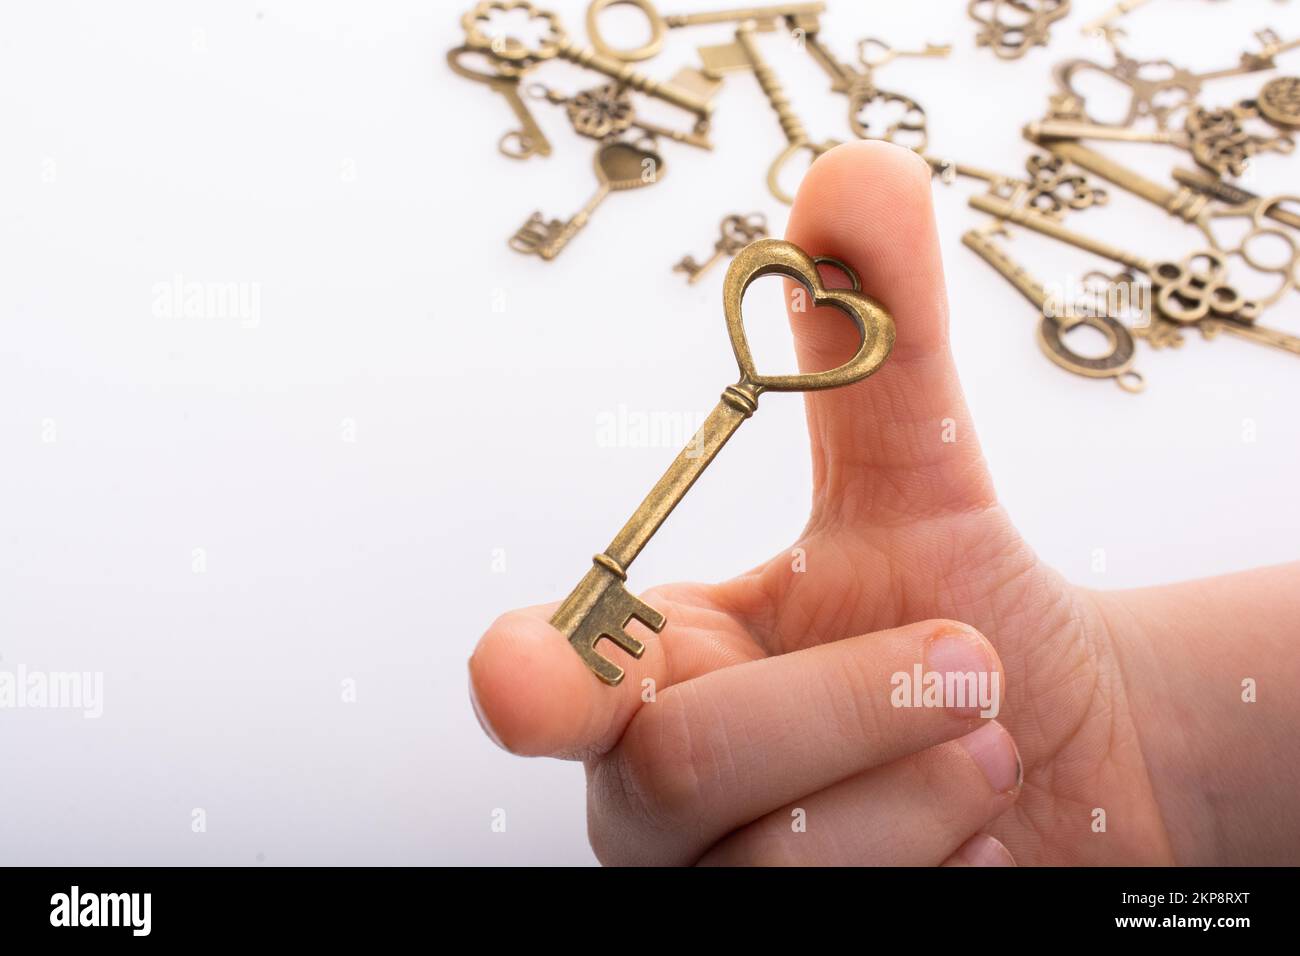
x: 620, y: 166
x: 600, y: 607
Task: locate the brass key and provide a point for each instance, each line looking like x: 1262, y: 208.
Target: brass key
x: 528, y: 140
x: 1193, y: 291
x: 737, y: 232
x: 515, y: 56
x: 1117, y: 364
x: 600, y: 607
x: 660, y: 23
x: 745, y: 55
x: 619, y: 166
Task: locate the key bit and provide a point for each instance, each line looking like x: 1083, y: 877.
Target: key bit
x: 601, y: 608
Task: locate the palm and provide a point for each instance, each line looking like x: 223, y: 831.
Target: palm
x: 1063, y: 705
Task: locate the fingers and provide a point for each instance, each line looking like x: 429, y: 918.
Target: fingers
x: 981, y: 850
x: 900, y: 443
x: 717, y: 752
x: 918, y: 811
x: 535, y: 697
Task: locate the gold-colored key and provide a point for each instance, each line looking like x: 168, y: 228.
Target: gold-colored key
x: 514, y: 55
x: 745, y: 55
x: 600, y: 607
x: 1193, y: 291
x: 620, y: 166
x: 1056, y: 320
x: 737, y: 231
x: 660, y: 23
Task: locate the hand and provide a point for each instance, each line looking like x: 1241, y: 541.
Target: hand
x: 772, y: 700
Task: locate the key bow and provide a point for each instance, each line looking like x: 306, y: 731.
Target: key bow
x: 778, y: 257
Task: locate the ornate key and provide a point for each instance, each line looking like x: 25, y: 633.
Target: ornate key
x: 660, y: 24
x: 528, y: 140
x: 1194, y: 291
x: 1048, y: 187
x: 1010, y: 28
x: 1217, y: 139
x: 515, y: 56
x: 737, y: 232
x: 607, y: 110
x: 600, y: 607
x: 745, y: 55
x: 1158, y: 88
x: 1233, y: 195
x: 858, y: 83
x: 1195, y: 208
x: 619, y: 166
x: 1057, y: 320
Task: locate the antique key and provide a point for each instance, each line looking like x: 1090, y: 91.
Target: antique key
x: 1193, y: 207
x: 660, y: 24
x: 600, y: 607
x: 515, y: 56
x: 859, y: 85
x: 527, y: 141
x: 607, y: 110
x: 1233, y: 195
x: 1011, y: 27
x: 619, y: 166
x: 1185, y: 293
x: 737, y: 232
x: 745, y: 55
x: 1171, y: 89
x: 1116, y: 364
x: 1217, y: 139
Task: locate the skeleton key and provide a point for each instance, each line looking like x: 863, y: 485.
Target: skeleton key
x: 737, y: 232
x: 607, y: 110
x: 600, y: 607
x: 1194, y: 207
x: 1233, y: 195
x: 660, y: 24
x: 516, y: 57
x: 745, y: 55
x: 1011, y: 39
x: 1184, y: 293
x: 1148, y: 95
x: 619, y: 166
x: 1217, y: 139
x: 1056, y: 321
x: 528, y: 140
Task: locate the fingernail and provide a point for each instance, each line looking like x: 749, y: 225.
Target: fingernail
x: 983, y: 850
x: 960, y: 653
x: 994, y: 752
x: 482, y: 718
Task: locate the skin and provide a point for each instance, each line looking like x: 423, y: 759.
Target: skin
x: 772, y: 690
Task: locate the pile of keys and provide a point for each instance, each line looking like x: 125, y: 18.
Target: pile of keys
x: 1152, y: 298
x: 507, y: 40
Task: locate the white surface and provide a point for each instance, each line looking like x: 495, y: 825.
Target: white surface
x: 324, y: 151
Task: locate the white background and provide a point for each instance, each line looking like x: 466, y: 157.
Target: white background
x: 324, y: 152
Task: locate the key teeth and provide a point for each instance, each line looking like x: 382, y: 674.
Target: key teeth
x: 646, y: 615
x: 606, y: 670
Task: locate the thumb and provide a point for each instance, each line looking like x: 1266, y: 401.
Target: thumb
x: 900, y: 445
